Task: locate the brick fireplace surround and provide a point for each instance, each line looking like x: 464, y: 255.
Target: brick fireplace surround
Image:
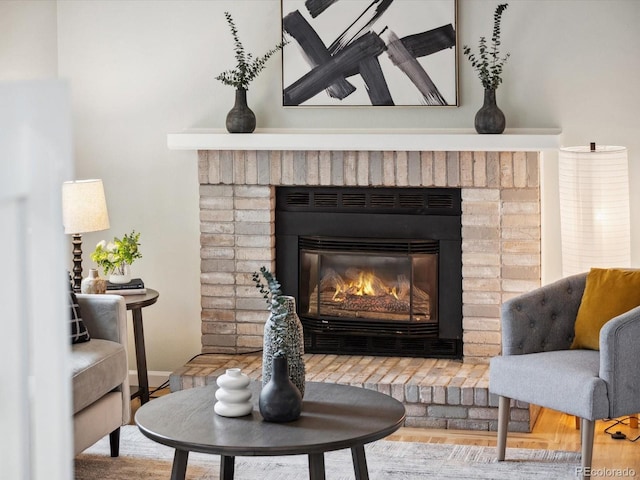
x: 500, y: 255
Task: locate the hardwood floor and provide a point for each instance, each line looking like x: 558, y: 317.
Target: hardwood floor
x: 553, y: 430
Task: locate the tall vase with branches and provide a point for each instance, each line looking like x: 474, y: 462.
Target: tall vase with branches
x: 489, y: 64
x: 241, y: 118
x: 283, y: 335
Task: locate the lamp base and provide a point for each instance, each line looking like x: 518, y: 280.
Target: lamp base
x: 77, y: 261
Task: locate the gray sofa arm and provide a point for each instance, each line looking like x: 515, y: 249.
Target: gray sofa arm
x: 542, y: 320
x: 105, y: 316
x: 619, y: 353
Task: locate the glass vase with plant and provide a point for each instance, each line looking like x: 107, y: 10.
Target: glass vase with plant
x: 116, y: 256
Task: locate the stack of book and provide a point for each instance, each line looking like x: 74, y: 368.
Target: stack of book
x: 134, y: 287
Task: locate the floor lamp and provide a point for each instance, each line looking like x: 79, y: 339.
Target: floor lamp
x: 594, y: 208
x: 594, y: 211
x: 84, y: 210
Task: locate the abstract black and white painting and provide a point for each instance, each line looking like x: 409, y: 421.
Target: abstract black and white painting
x: 369, y: 52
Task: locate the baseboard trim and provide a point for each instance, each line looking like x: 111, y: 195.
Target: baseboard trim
x: 156, y: 378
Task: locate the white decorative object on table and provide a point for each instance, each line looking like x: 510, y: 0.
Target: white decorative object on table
x: 233, y: 394
x: 92, y: 283
x: 123, y: 276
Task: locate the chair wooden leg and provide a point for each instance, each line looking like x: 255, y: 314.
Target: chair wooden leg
x: 114, y: 442
x: 503, y: 425
x: 588, y: 429
x: 577, y: 420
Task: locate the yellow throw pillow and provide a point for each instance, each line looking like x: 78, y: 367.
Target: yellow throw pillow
x: 607, y: 294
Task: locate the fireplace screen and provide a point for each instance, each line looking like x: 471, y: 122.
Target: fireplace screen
x: 374, y: 271
x: 369, y: 280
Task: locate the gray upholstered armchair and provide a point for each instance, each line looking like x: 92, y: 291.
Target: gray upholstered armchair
x: 537, y: 366
x: 101, y: 401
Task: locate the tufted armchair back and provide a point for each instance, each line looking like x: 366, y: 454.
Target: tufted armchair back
x: 537, y: 365
x: 542, y: 320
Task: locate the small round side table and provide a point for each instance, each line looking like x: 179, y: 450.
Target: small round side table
x: 136, y: 303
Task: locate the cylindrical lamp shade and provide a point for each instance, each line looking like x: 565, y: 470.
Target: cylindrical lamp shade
x: 84, y: 208
x: 594, y: 208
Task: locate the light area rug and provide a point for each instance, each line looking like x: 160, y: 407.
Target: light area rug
x: 141, y: 458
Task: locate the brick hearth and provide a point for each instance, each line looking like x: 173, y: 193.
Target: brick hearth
x: 436, y: 393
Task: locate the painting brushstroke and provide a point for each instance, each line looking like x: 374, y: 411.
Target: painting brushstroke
x: 431, y: 41
x: 413, y: 70
x: 314, y: 50
x: 419, y: 68
x: 375, y: 82
x: 318, y: 79
x: 360, y: 25
x: 316, y: 7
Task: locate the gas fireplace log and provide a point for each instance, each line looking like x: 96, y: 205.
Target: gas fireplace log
x: 331, y: 281
x: 368, y: 315
x: 379, y: 303
x: 365, y: 306
x: 420, y: 296
x: 404, y: 286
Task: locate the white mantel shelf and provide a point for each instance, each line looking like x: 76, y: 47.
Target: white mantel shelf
x: 437, y: 140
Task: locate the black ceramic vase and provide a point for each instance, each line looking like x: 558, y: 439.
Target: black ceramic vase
x: 490, y: 118
x: 280, y: 399
x: 240, y: 118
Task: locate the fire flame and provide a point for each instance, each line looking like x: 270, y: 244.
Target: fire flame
x: 366, y: 284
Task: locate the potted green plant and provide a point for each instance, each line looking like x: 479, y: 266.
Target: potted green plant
x: 116, y: 257
x: 241, y: 118
x: 489, y: 64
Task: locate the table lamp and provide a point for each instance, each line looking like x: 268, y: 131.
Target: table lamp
x: 594, y: 208
x: 84, y: 210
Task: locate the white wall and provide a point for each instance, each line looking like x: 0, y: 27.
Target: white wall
x: 142, y: 69
x: 28, y: 40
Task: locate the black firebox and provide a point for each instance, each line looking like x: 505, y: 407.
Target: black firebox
x: 375, y: 271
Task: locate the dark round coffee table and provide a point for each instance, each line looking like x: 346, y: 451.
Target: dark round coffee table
x: 333, y: 417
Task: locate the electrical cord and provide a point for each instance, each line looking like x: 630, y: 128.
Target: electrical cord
x: 241, y: 353
x: 165, y: 384
x: 618, y: 435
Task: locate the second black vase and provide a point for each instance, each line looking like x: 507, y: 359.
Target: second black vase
x: 280, y: 399
x: 490, y: 118
x: 241, y: 118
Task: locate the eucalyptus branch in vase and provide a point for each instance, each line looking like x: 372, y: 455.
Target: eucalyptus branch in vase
x: 241, y: 119
x: 489, y: 64
x: 272, y: 293
x: 487, y: 61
